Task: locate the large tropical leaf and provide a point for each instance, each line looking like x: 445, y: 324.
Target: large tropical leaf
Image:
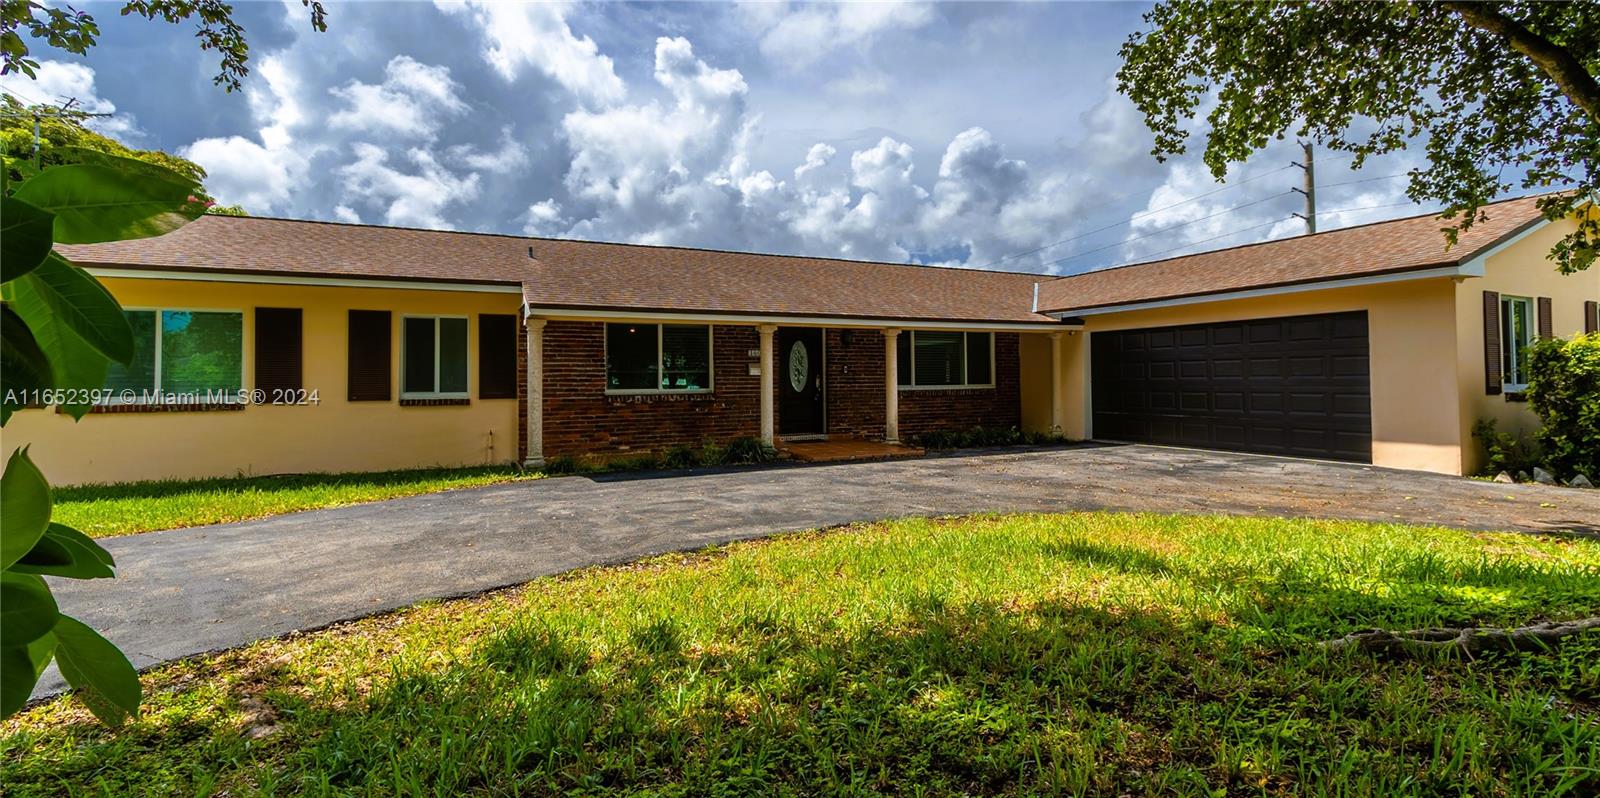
x: 97, y: 202
x: 24, y: 507
x: 27, y: 610
x: 25, y: 237
x: 24, y: 367
x: 59, y: 293
x: 103, y: 677
x: 66, y: 552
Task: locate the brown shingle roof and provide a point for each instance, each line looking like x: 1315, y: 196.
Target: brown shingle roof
x: 584, y: 274
x: 320, y: 249
x: 1379, y: 248
x: 580, y: 273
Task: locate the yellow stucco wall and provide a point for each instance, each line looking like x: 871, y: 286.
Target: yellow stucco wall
x: 1522, y: 269
x: 1034, y: 359
x: 1411, y: 335
x: 335, y: 435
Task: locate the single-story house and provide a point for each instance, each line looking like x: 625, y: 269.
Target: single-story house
x: 273, y: 345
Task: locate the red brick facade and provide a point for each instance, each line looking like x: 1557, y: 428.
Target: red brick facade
x: 855, y: 391
x: 580, y: 418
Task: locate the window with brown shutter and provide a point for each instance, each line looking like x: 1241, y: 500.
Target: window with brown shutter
x: 1591, y: 316
x: 1491, y: 342
x: 279, y: 365
x: 1546, y: 323
x: 497, y: 356
x: 370, y: 367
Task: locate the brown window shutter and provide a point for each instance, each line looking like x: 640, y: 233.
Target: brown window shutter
x: 370, y: 369
x: 279, y: 364
x: 1546, y: 323
x: 1591, y: 316
x: 1491, y: 343
x: 497, y: 356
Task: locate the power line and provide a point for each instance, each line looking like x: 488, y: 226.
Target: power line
x: 1150, y: 256
x: 1363, y: 180
x: 23, y: 97
x: 1224, y: 235
x: 1152, y: 211
x: 1132, y: 218
x: 1168, y: 229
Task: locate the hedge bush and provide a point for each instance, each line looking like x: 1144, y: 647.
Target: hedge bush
x: 1564, y: 390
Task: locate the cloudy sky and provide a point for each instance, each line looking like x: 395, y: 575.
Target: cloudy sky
x: 986, y: 135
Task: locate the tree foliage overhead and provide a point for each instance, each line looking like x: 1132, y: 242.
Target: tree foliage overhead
x: 66, y: 28
x: 1502, y: 96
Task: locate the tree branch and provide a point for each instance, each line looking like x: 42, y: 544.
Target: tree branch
x: 1555, y: 61
x: 1468, y: 640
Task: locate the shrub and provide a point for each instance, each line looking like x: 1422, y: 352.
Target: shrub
x: 971, y: 437
x: 1564, y: 389
x: 748, y: 450
x: 680, y: 456
x: 644, y: 461
x: 1504, y: 451
x: 564, y: 464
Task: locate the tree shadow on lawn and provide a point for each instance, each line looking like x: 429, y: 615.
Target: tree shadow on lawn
x: 974, y: 698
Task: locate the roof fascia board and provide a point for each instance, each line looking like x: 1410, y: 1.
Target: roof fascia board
x: 1322, y: 285
x: 1477, y: 264
x: 587, y: 314
x: 329, y: 282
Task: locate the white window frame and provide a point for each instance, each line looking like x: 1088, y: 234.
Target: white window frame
x: 661, y: 327
x: 435, y: 394
x: 156, y: 353
x: 1515, y: 351
x: 911, y: 357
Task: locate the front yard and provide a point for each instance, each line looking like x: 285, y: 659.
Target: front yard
x: 1089, y: 653
x: 101, y: 511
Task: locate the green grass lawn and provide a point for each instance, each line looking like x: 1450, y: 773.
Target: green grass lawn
x: 1084, y: 654
x: 126, y: 508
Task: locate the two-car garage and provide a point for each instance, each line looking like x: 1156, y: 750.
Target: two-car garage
x: 1295, y: 385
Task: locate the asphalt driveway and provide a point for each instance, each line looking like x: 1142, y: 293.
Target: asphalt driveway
x: 188, y: 591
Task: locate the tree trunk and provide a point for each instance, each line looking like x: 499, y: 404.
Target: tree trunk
x: 1470, y: 640
x: 1561, y: 65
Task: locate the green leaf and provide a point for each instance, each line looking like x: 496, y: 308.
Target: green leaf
x: 25, y: 237
x: 144, y: 169
x: 27, y: 610
x: 66, y: 552
x: 59, y: 293
x: 20, y: 667
x: 96, y: 202
x: 88, y: 543
x: 24, y: 367
x: 24, y: 507
x: 103, y: 677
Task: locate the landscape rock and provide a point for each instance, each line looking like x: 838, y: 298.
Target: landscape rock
x: 1581, y: 481
x: 1543, y: 477
x: 1522, y: 476
x: 1503, y: 477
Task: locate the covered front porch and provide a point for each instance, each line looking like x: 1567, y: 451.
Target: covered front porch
x: 613, y: 383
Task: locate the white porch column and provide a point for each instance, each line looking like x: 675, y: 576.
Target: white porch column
x: 535, y: 332
x: 1058, y: 408
x: 767, y: 370
x: 891, y: 387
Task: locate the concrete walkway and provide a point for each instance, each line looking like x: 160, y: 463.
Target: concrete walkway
x: 188, y: 591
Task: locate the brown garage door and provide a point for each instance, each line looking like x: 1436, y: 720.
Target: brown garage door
x: 1296, y: 385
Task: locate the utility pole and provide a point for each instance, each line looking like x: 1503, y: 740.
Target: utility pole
x: 1310, y: 191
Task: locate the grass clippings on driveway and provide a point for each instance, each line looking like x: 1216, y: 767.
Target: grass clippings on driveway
x: 1092, y: 653
x: 101, y: 511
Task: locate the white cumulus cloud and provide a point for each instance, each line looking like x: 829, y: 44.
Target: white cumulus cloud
x: 537, y: 36
x: 413, y: 100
